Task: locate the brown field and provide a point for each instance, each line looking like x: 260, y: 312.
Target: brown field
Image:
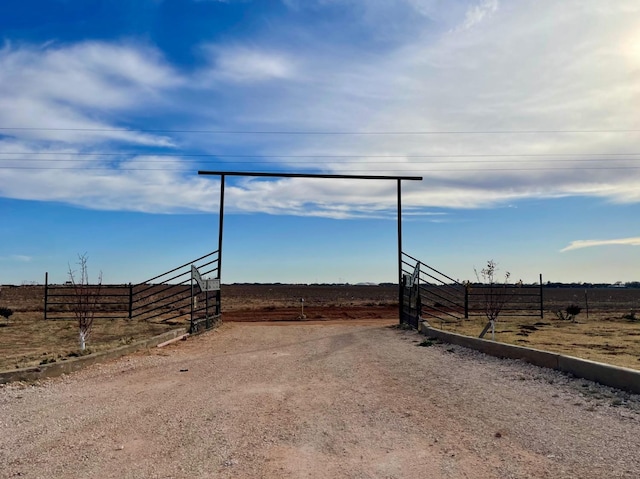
x: 606, y: 334
x: 26, y: 339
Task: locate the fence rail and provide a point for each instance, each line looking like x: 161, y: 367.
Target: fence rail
x: 442, y: 298
x: 170, y: 296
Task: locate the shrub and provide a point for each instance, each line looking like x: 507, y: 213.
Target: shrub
x: 5, y: 312
x: 569, y: 313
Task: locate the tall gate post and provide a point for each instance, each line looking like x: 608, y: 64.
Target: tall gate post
x: 220, y: 228
x: 400, y: 292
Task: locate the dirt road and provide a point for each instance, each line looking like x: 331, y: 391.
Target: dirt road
x: 330, y: 400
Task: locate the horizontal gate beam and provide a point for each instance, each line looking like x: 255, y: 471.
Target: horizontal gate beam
x: 309, y: 175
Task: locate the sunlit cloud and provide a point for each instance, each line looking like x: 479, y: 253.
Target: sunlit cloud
x: 578, y: 244
x: 454, y: 72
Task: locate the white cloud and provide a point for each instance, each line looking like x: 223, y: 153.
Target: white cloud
x: 244, y: 64
x: 20, y: 258
x: 531, y: 68
x: 142, y: 183
x: 515, y: 66
x: 578, y: 244
x: 478, y: 12
x: 52, y: 90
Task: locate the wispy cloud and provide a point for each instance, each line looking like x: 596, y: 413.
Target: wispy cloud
x: 432, y: 78
x: 478, y: 12
x: 578, y: 244
x: 52, y: 91
x: 18, y: 258
x: 244, y: 64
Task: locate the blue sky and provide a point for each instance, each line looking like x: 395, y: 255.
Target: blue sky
x: 522, y: 117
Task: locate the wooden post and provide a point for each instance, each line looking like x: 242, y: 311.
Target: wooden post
x: 586, y: 302
x: 130, y: 301
x: 46, y: 294
x: 486, y: 328
x: 541, y: 299
x: 466, y: 301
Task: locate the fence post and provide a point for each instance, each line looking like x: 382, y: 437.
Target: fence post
x: 541, y: 298
x: 46, y: 293
x: 191, y: 301
x: 466, y: 301
x: 130, y: 301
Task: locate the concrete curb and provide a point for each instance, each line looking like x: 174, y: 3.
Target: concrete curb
x: 614, y: 376
x: 182, y: 337
x: 65, y: 367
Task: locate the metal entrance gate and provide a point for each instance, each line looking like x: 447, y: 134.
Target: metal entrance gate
x: 440, y: 299
x: 431, y: 295
x: 180, y: 294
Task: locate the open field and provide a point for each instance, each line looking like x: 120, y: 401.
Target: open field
x: 27, y: 340
x: 604, y: 332
x: 338, y: 399
x: 602, y: 338
x: 606, y: 336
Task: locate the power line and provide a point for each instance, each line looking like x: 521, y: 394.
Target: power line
x: 284, y: 132
x: 116, y: 170
x: 257, y: 162
x: 400, y: 155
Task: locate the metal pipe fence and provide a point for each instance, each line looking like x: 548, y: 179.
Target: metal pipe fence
x: 165, y: 298
x: 442, y: 298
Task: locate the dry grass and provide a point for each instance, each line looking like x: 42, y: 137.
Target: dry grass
x: 604, y: 337
x: 27, y: 340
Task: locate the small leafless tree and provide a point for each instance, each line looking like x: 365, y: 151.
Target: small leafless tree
x: 496, y: 294
x: 85, y: 298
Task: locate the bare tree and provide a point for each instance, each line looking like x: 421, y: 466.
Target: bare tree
x: 85, y: 298
x: 495, y: 292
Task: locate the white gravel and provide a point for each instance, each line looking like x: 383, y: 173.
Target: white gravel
x: 303, y: 400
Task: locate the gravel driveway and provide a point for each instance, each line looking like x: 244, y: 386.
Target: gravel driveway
x: 332, y: 400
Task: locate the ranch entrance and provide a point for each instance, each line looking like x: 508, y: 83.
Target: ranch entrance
x: 398, y: 179
x: 192, y: 290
